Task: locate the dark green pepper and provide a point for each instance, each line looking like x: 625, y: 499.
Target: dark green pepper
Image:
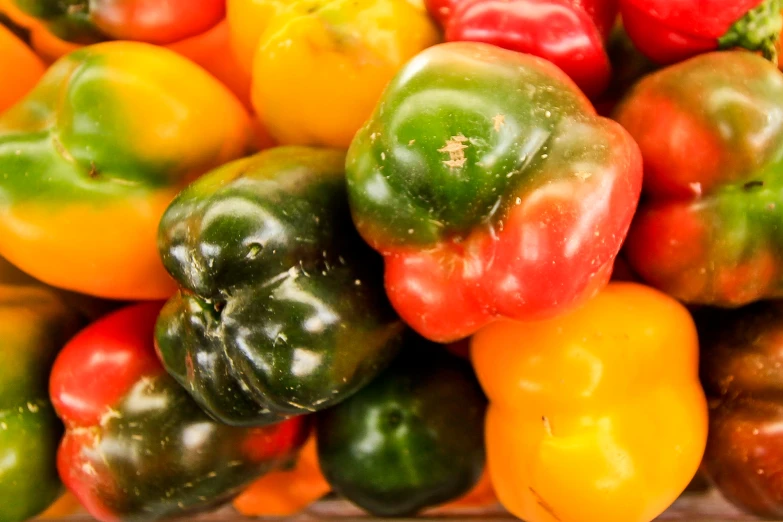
x: 282, y: 310
x: 412, y: 439
x: 34, y: 325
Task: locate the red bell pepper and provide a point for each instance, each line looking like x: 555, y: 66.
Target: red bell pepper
x: 669, y: 31
x: 569, y: 33
x: 136, y: 446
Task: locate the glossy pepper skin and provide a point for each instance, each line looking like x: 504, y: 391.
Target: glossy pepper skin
x: 611, y: 390
x: 34, y: 324
x: 668, y: 31
x: 95, y: 153
x: 321, y: 65
x: 136, y: 446
x: 152, y: 21
x: 708, y: 231
x: 282, y: 310
x: 604, y: 12
x: 742, y: 352
x: 562, y: 31
x: 20, y: 69
x: 411, y: 439
x: 491, y: 188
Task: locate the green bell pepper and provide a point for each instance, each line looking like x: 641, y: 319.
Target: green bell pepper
x: 282, y: 310
x: 412, y: 439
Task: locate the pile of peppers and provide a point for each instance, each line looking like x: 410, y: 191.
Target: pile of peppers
x: 270, y: 258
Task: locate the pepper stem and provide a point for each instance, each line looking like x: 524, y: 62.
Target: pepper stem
x: 759, y: 30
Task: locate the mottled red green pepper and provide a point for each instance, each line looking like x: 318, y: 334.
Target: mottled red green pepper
x: 93, y: 155
x: 136, y: 446
x: 710, y: 228
x: 491, y: 187
x: 34, y: 324
x: 153, y: 21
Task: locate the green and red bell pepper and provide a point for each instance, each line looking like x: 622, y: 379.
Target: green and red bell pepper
x: 710, y: 228
x: 136, y: 446
x: 491, y: 187
x: 153, y: 21
x: 282, y: 310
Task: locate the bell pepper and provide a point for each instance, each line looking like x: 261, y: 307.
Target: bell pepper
x: 321, y: 65
x: 20, y: 69
x: 247, y: 22
x: 94, y: 154
x: 604, y: 12
x: 571, y: 34
x: 597, y: 414
x: 136, y: 446
x: 65, y: 506
x: 211, y: 49
x: 492, y: 189
x: 742, y: 352
x: 669, y: 32
x: 481, y: 497
x: 286, y: 491
x: 34, y: 325
x: 708, y: 231
x: 282, y: 310
x: 152, y: 21
x: 411, y: 439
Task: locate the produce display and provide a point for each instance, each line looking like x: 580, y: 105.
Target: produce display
x: 420, y: 257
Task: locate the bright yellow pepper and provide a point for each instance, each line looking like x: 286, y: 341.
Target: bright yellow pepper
x: 597, y: 415
x: 320, y: 66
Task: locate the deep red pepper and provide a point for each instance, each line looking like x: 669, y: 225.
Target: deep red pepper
x: 670, y: 31
x: 569, y: 33
x: 136, y: 446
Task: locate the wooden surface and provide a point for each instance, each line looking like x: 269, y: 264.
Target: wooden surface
x: 709, y: 507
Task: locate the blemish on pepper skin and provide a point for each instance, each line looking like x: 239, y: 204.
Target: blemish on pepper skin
x: 455, y: 148
x: 547, y: 426
x: 499, y: 120
x: 93, y: 173
x: 544, y: 504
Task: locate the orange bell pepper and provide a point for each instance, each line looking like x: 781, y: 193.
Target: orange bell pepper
x: 20, y: 69
x: 45, y: 44
x: 65, y: 506
x: 597, y: 414
x: 287, y: 491
x: 481, y: 496
x: 320, y: 66
x: 212, y: 51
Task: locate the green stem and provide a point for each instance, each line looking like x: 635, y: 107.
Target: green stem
x: 759, y: 30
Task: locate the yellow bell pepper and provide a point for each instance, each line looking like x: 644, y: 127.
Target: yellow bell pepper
x: 597, y: 415
x: 320, y: 66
